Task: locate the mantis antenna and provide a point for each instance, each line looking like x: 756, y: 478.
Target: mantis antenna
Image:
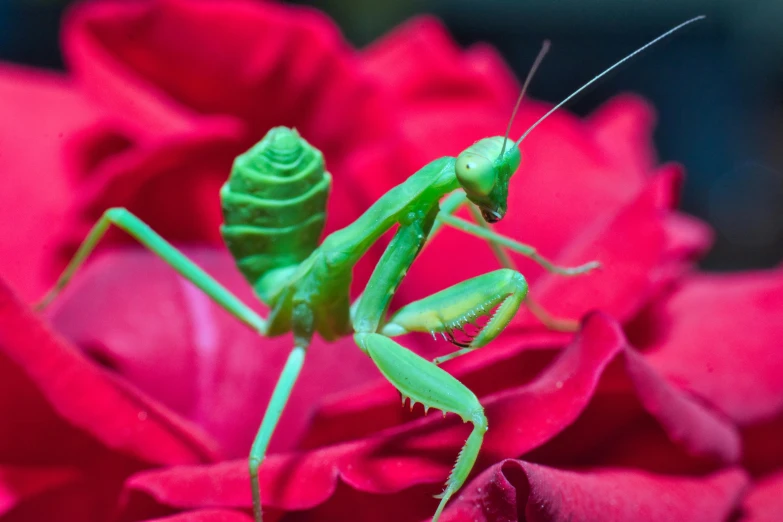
x: 536, y: 63
x: 585, y: 86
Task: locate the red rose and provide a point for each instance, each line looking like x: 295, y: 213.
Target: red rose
x: 135, y: 398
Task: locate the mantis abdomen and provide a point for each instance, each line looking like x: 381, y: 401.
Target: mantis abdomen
x: 274, y: 204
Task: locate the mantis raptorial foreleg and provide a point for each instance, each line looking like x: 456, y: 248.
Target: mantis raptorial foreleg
x: 271, y: 417
x: 421, y: 381
x: 496, y: 295
x: 139, y: 230
x: 415, y: 377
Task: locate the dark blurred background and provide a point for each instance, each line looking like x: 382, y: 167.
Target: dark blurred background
x: 717, y: 86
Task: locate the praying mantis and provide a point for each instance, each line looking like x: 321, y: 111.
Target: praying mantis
x: 274, y: 210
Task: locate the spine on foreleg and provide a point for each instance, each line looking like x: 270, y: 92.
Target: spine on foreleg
x: 274, y: 204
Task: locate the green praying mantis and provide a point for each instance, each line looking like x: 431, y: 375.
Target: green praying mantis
x: 274, y: 210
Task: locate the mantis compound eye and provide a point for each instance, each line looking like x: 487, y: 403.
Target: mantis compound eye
x: 475, y: 173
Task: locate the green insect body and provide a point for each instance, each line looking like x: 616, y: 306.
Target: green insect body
x: 274, y: 208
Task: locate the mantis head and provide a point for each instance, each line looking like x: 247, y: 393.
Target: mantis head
x: 484, y: 170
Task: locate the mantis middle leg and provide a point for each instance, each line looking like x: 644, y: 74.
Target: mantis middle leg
x: 499, y: 243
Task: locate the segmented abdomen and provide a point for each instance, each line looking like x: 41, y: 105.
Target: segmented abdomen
x: 274, y: 203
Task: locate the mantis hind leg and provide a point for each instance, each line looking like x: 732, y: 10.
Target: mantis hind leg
x: 280, y: 395
x: 421, y: 381
x: 139, y: 230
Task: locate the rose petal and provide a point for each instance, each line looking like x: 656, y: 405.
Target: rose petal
x: 21, y: 486
x: 687, y: 239
x: 366, y: 410
x: 621, y: 128
x: 761, y: 448
x: 61, y: 410
x: 599, y: 382
x: 187, y: 106
x: 570, y: 178
x: 629, y: 246
x: 61, y: 385
x: 38, y: 112
x: 204, y: 515
x: 514, y: 490
x: 134, y: 314
x: 440, y: 66
x: 142, y: 61
x: 147, y: 494
x: 445, y: 99
x: 713, y: 336
x: 764, y: 502
x: 589, y: 384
